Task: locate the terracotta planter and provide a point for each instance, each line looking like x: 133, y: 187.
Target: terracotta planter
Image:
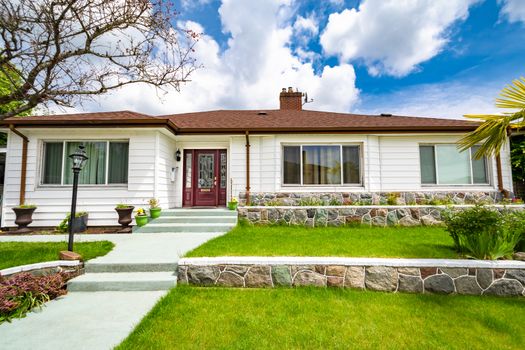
x: 141, y: 220
x: 125, y: 216
x: 24, y: 216
x: 154, y: 212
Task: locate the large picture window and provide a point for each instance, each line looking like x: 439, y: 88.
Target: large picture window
x: 107, y: 163
x: 321, y: 165
x: 444, y: 164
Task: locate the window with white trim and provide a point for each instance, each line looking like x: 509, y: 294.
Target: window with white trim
x: 444, y: 164
x: 107, y: 163
x: 321, y: 165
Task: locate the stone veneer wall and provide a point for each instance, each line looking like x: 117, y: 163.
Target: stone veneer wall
x: 71, y: 268
x: 344, y: 215
x: 367, y: 198
x: 500, y: 278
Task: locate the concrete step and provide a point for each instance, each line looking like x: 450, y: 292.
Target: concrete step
x: 153, y: 227
x: 198, y: 212
x: 195, y: 219
x: 123, y: 281
x: 94, y: 267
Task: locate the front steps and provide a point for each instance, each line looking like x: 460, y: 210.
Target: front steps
x: 123, y: 281
x: 191, y: 220
x: 141, y: 266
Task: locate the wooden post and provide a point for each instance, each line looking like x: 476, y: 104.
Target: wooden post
x: 23, y: 173
x: 247, y: 168
x: 500, y: 177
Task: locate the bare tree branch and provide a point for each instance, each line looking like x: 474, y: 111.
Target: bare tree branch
x: 67, y: 50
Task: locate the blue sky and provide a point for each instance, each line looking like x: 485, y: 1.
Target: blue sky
x: 413, y: 57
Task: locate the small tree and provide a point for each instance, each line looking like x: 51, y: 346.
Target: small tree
x: 66, y: 50
x: 496, y: 128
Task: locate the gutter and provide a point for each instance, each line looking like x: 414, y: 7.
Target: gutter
x: 23, y: 173
x: 247, y: 167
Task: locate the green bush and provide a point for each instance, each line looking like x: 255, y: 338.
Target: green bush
x: 482, y: 233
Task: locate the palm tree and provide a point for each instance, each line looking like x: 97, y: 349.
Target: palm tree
x: 495, y: 129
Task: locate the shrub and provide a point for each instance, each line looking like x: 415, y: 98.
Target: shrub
x: 310, y: 202
x: 23, y: 292
x: 391, y: 198
x: 483, y: 233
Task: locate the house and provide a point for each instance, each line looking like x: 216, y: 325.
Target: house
x: 203, y: 158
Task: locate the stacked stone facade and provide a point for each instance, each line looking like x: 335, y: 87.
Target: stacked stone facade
x: 438, y: 279
x: 367, y: 198
x: 346, y: 215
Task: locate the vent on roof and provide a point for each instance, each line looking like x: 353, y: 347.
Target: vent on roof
x: 262, y: 113
x: 386, y: 114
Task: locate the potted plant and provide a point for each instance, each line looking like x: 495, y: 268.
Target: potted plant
x: 125, y: 212
x: 233, y: 203
x: 141, y: 218
x: 154, y: 209
x: 80, y: 223
x: 24, y: 216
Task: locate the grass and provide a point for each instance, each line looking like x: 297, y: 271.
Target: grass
x: 360, y: 241
x: 215, y: 318
x: 22, y: 253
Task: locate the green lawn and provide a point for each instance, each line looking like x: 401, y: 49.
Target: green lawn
x: 360, y: 241
x: 215, y: 318
x: 22, y: 253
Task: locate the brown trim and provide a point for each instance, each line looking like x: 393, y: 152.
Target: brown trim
x: 500, y: 177
x: 247, y: 167
x: 23, y: 172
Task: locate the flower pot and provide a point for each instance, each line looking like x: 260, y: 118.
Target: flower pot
x: 79, y: 223
x: 154, y: 212
x: 125, y: 216
x: 141, y: 220
x: 24, y: 216
x: 232, y: 205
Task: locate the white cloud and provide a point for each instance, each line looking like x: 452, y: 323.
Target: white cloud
x: 445, y: 100
x: 250, y: 73
x: 513, y: 10
x: 306, y: 24
x: 189, y: 4
x: 392, y: 36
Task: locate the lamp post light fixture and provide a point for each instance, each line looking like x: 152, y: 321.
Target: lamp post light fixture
x: 78, y: 158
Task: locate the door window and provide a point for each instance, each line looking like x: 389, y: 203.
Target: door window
x: 206, y: 171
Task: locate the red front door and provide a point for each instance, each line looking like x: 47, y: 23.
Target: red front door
x: 205, y: 179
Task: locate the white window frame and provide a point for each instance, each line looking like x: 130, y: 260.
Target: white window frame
x: 62, y: 184
x: 488, y: 168
x: 341, y: 145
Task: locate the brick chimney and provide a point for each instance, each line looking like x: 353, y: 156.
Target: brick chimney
x: 290, y: 99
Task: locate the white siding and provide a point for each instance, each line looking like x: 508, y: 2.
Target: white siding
x: 165, y: 190
x: 99, y: 201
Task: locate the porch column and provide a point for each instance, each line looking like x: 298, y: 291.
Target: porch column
x: 247, y: 167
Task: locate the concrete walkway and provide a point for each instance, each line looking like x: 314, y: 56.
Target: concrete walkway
x: 101, y: 319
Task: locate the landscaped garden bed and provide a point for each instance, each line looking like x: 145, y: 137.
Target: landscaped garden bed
x: 306, y: 318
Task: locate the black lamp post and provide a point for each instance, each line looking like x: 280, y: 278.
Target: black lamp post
x: 79, y: 157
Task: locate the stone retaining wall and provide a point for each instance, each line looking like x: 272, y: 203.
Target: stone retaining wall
x: 321, y: 216
x: 72, y: 268
x: 368, y: 198
x: 500, y: 278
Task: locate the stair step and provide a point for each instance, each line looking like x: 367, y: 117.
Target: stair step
x: 123, y: 281
x: 94, y: 267
x: 184, y: 227
x: 198, y: 212
x: 195, y: 219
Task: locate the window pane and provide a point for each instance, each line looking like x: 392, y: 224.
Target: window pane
x: 223, y: 170
x: 292, y: 165
x: 351, y: 172
x: 52, y: 163
x: 321, y: 165
x: 94, y: 170
x: 188, y: 164
x: 118, y: 162
x: 453, y: 166
x: 479, y: 168
x: 427, y: 164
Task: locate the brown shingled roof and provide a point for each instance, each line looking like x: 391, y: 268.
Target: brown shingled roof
x: 234, y: 121
x: 304, y: 120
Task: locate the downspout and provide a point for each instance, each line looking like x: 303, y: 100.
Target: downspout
x: 247, y: 167
x: 23, y: 173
